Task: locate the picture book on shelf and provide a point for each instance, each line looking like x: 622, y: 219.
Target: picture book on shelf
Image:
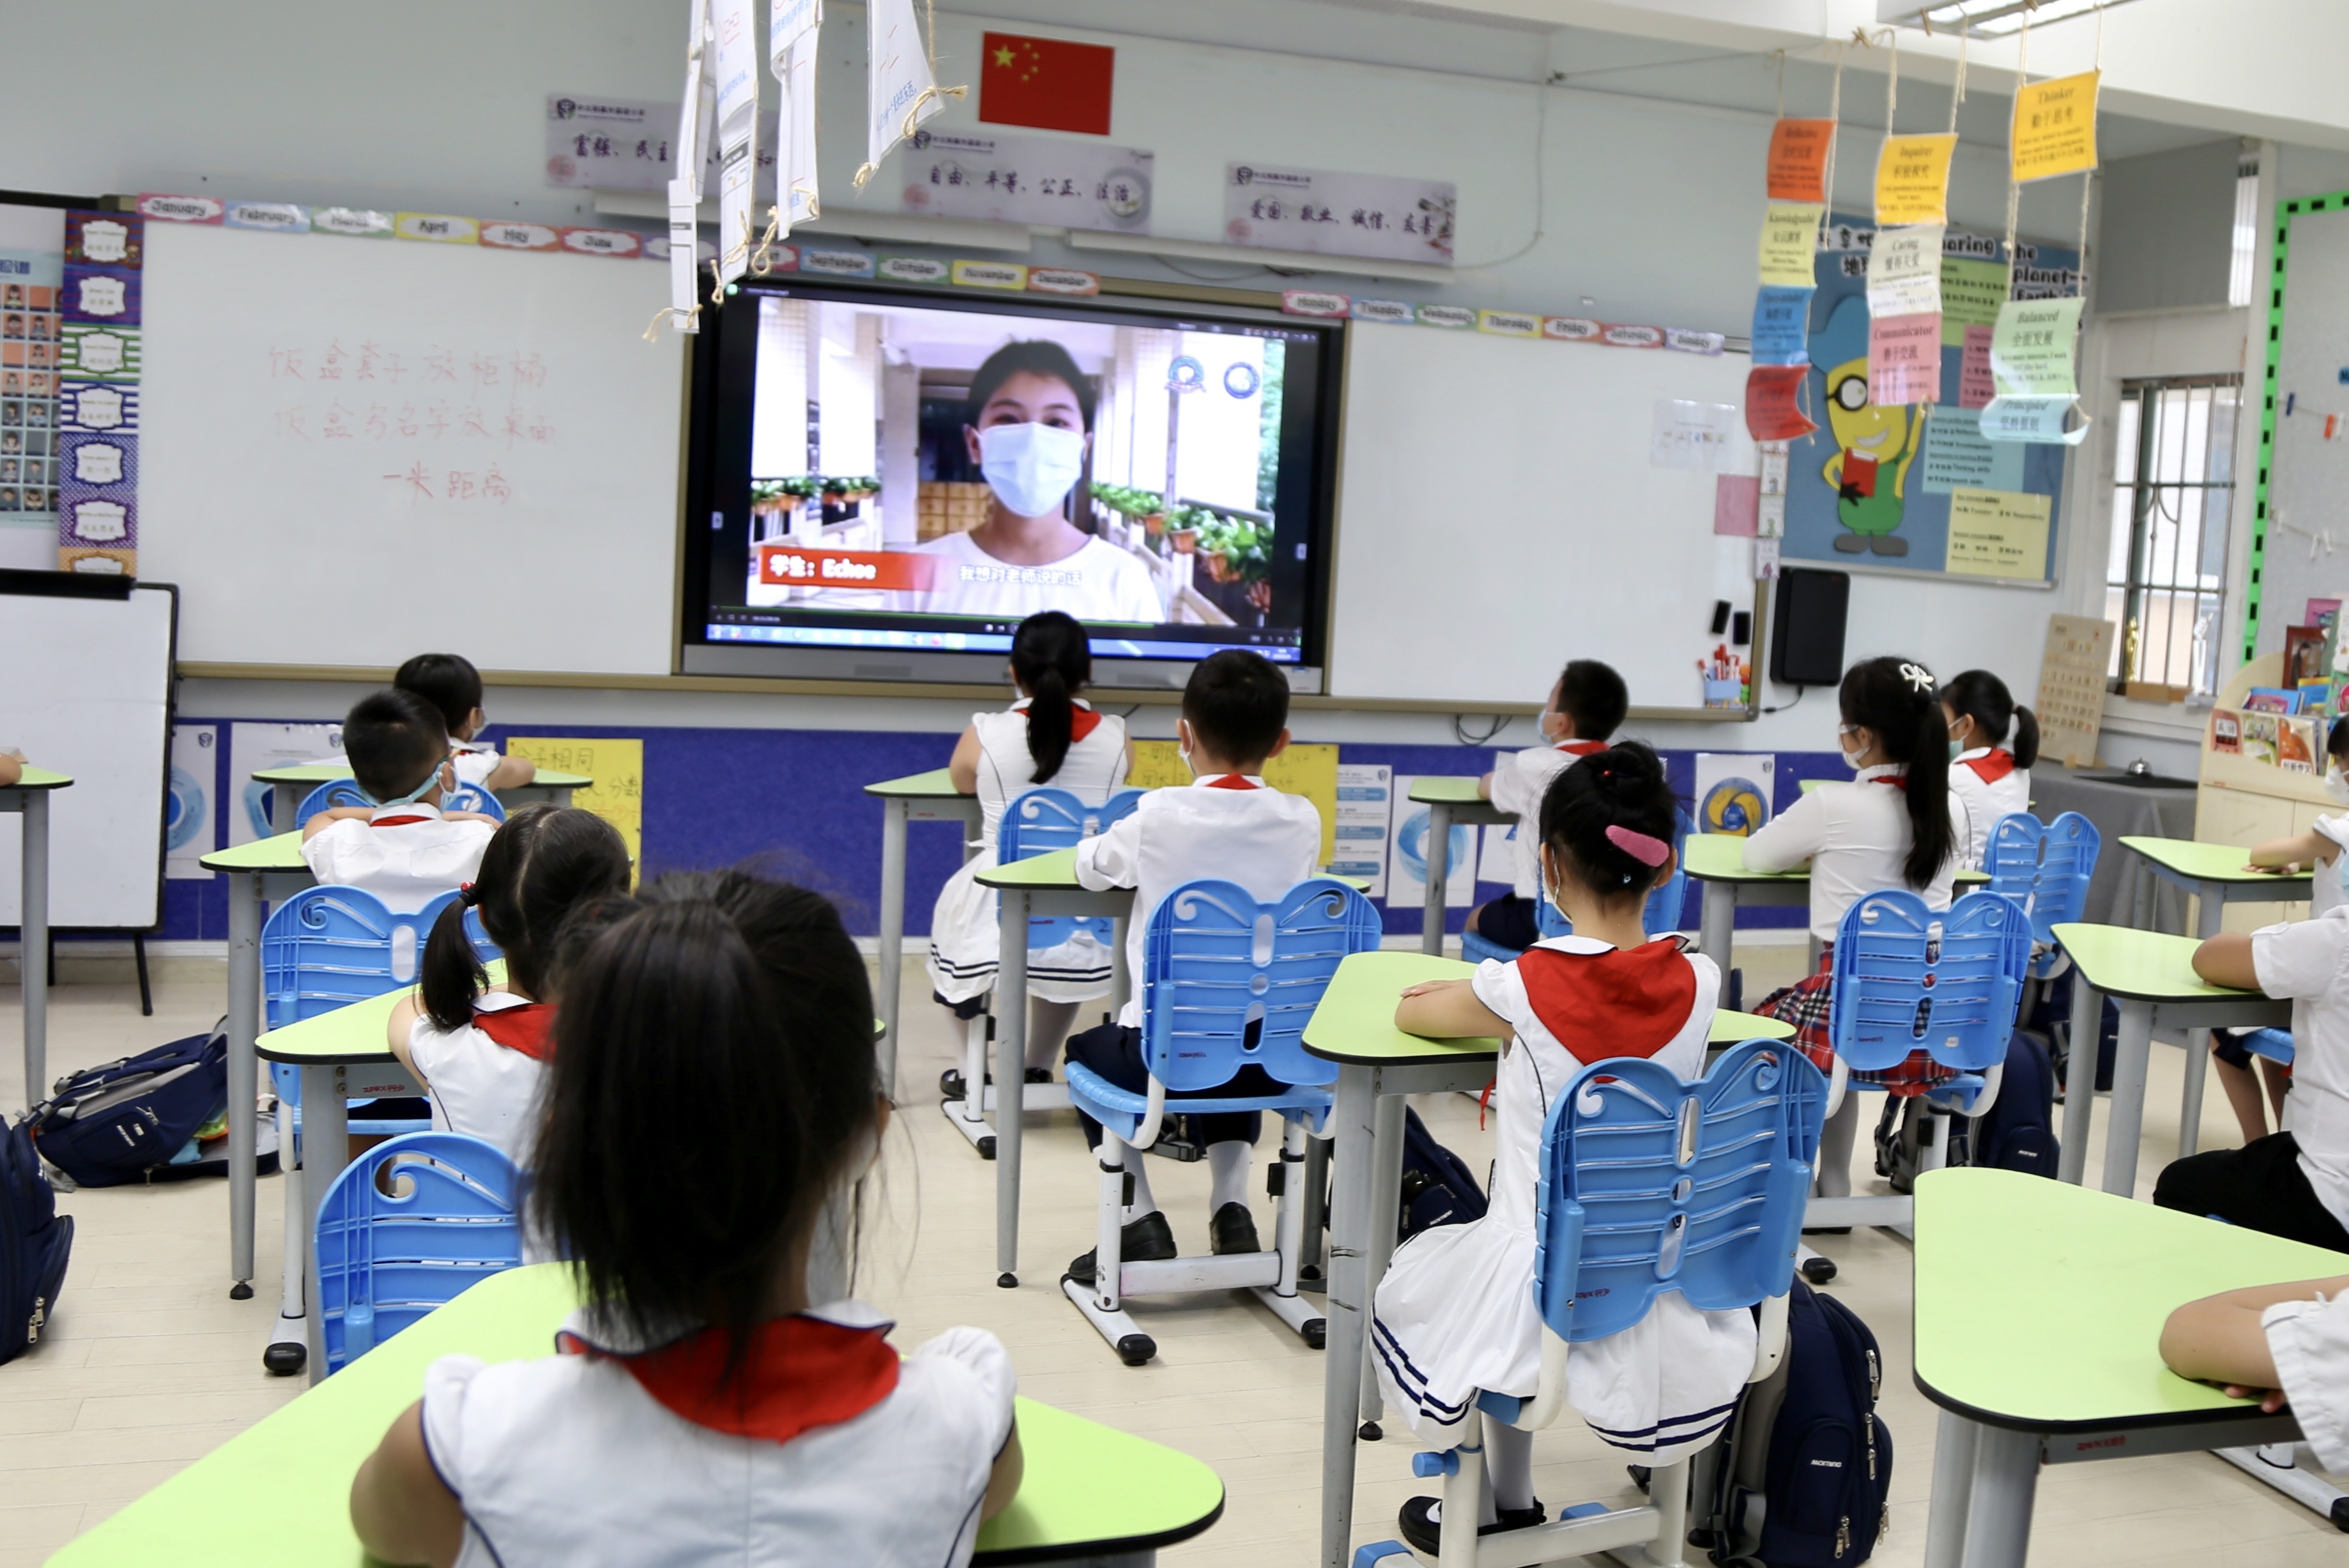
x: 2316, y: 697
x: 2307, y: 655
x: 2272, y: 699
x: 2259, y: 737
x: 2226, y: 731
x: 2324, y: 614
x: 2296, y: 745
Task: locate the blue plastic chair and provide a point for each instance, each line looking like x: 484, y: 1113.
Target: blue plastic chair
x: 1045, y: 819
x: 2044, y: 867
x: 452, y: 1219
x: 1648, y: 1184
x: 2275, y: 1044
x: 1228, y: 983
x: 1665, y: 907
x: 347, y: 792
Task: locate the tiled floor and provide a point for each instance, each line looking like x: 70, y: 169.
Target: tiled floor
x: 150, y: 1364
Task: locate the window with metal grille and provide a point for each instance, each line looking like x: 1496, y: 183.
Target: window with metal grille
x: 2173, y: 487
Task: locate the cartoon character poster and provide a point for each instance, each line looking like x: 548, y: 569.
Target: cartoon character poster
x: 1872, y: 486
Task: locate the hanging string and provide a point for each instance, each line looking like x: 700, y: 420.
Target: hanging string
x: 1781, y: 56
x: 1958, y: 89
x: 1835, y: 131
x: 1891, y: 82
x: 2088, y: 175
x: 2013, y: 186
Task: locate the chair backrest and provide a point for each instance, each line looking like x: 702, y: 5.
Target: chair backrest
x: 326, y: 947
x: 1045, y: 819
x: 1650, y: 1183
x: 1662, y: 913
x: 2043, y: 866
x: 347, y: 792
x: 1946, y: 982
x: 1228, y: 982
x: 452, y: 1219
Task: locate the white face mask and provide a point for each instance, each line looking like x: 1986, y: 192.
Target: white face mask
x: 1030, y: 468
x: 2335, y: 785
x: 1850, y: 758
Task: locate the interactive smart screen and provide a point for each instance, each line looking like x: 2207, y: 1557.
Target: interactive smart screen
x: 883, y: 482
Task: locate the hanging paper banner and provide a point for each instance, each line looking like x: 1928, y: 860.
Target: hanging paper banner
x: 1904, y: 359
x: 1798, y: 159
x: 695, y: 115
x: 1773, y: 411
x: 2055, y: 128
x: 1790, y: 243
x: 2036, y: 419
x: 792, y: 23
x: 1781, y: 319
x: 799, y: 168
x: 1912, y: 180
x: 787, y: 22
x: 1904, y: 271
x: 1976, y: 386
x: 1972, y: 292
x: 737, y: 132
x: 2034, y: 371
x: 902, y: 91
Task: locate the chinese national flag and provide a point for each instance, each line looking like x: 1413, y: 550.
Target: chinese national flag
x: 1046, y: 83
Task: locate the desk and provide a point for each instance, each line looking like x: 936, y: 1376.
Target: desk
x: 917, y: 797
x: 278, y: 1494
x: 1378, y: 1064
x: 1997, y: 1250
x: 29, y: 797
x: 2217, y: 876
x: 2152, y: 977
x: 262, y: 871
x: 1449, y: 801
x: 549, y: 785
x: 2124, y: 890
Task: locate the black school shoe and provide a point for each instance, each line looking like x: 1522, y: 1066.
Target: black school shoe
x: 951, y: 1086
x: 1427, y: 1535
x: 1233, y: 1230
x: 1148, y: 1240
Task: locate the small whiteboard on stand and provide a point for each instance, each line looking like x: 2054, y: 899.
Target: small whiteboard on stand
x: 2072, y: 678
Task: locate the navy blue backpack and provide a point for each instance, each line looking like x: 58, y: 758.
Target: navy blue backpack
x: 34, y: 1241
x: 124, y: 1120
x: 2019, y: 1132
x: 1438, y: 1188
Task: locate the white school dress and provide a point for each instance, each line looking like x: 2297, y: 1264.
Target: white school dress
x: 2310, y: 1342
x: 1455, y: 1313
x: 405, y: 855
x: 483, y: 1078
x: 831, y: 1450
x: 965, y: 940
x: 1519, y: 782
x: 1988, y: 785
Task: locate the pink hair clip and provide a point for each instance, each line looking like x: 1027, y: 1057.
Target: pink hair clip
x: 1644, y: 847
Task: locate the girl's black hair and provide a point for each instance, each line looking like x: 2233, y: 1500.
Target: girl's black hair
x: 543, y: 860
x: 1053, y: 659
x: 732, y: 1005
x: 1981, y: 697
x: 1622, y: 787
x: 1896, y: 699
x: 2336, y: 740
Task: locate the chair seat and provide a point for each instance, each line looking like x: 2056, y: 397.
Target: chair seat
x: 1959, y: 1094
x: 1476, y: 948
x: 2273, y: 1044
x: 1123, y: 1109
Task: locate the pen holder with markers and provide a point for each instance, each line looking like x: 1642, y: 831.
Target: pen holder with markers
x: 1724, y: 693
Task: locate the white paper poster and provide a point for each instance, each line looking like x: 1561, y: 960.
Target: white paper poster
x: 902, y: 92
x: 608, y: 143
x: 799, y: 175
x: 1365, y: 812
x: 255, y: 747
x: 1376, y: 215
x: 1734, y: 790
x: 1407, y: 856
x: 1029, y: 179
x: 1690, y: 435
x: 737, y: 74
x: 696, y: 115
x: 189, y: 828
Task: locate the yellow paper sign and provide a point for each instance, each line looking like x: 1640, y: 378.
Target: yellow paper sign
x: 1307, y: 770
x: 1998, y: 533
x: 1790, y: 243
x: 618, y: 769
x: 1912, y: 180
x: 2055, y: 128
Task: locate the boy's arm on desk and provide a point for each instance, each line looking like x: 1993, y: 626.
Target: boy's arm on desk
x: 1113, y: 857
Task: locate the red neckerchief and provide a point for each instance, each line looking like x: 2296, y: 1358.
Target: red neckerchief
x: 1993, y: 766
x: 1231, y: 781
x: 398, y: 821
x: 1582, y: 748
x: 1624, y: 1002
x: 529, y: 1029
x: 1897, y: 780
x: 1082, y: 721
x: 798, y: 1373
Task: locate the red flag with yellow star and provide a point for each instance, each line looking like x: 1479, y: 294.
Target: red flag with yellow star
x: 1046, y: 83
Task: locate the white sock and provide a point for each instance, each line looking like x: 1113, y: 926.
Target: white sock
x: 1227, y: 1172
x: 1144, y: 1203
x: 1509, y: 1466
x: 1047, y: 1030
x: 1834, y: 1148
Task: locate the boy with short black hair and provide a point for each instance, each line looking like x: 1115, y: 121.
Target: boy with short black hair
x: 404, y: 849
x: 450, y: 682
x: 1585, y: 706
x: 1227, y: 825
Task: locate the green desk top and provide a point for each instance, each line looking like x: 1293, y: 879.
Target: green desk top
x: 937, y: 784
x: 2009, y: 1266
x: 2199, y: 861
x: 1430, y: 789
x: 1811, y: 784
x: 280, y: 854
x: 278, y: 1494
x: 1355, y: 1022
x: 353, y: 1033
x: 2143, y: 965
x: 1056, y: 870
x: 327, y: 772
x: 42, y: 779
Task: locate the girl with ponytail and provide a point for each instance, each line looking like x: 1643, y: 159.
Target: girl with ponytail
x: 1050, y: 736
x: 480, y: 1050
x: 1992, y: 744
x: 1895, y: 825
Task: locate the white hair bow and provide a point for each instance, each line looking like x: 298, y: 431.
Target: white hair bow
x: 1919, y: 679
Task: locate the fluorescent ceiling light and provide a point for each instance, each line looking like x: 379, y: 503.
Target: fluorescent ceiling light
x: 1985, y: 19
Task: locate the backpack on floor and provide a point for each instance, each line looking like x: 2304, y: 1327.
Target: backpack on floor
x: 1438, y: 1188
x: 2018, y: 1131
x: 1807, y: 1464
x: 2052, y: 1021
x: 35, y: 1242
x: 124, y: 1122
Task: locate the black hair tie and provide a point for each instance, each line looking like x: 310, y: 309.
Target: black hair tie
x: 468, y: 895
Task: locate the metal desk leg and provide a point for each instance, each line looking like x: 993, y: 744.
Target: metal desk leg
x: 560, y: 794
x: 1439, y: 873
x: 1010, y: 1073
x: 283, y: 800
x: 1954, y: 1441
x: 243, y: 1021
x: 2128, y: 1096
x: 2080, y: 1087
x: 326, y: 1149
x: 33, y: 950
x: 1344, y: 1306
x: 1998, y: 1510
x: 893, y: 935
x: 1716, y: 926
x: 2211, y: 913
x: 1310, y: 1261
x: 1379, y: 1245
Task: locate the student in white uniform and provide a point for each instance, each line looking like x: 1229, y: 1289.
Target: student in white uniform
x: 2287, y: 1343
x: 1031, y: 417
x: 1050, y: 736
x: 1230, y: 826
x: 450, y: 682
x: 480, y: 1050
x: 703, y: 1408
x: 1456, y: 1314
x: 405, y: 849
x: 1585, y: 706
x: 1993, y: 741
x: 1894, y: 825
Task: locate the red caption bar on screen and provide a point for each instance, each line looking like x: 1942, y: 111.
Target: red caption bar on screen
x: 793, y: 565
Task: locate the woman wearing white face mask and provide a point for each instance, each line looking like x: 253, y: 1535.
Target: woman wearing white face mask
x: 1030, y: 414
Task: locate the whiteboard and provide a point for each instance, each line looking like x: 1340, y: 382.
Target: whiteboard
x: 355, y: 450
x: 1500, y: 514
x: 85, y: 690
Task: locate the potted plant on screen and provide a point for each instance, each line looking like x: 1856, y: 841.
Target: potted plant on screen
x: 1183, y: 529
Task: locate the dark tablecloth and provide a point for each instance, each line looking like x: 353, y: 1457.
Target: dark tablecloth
x: 2122, y: 879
